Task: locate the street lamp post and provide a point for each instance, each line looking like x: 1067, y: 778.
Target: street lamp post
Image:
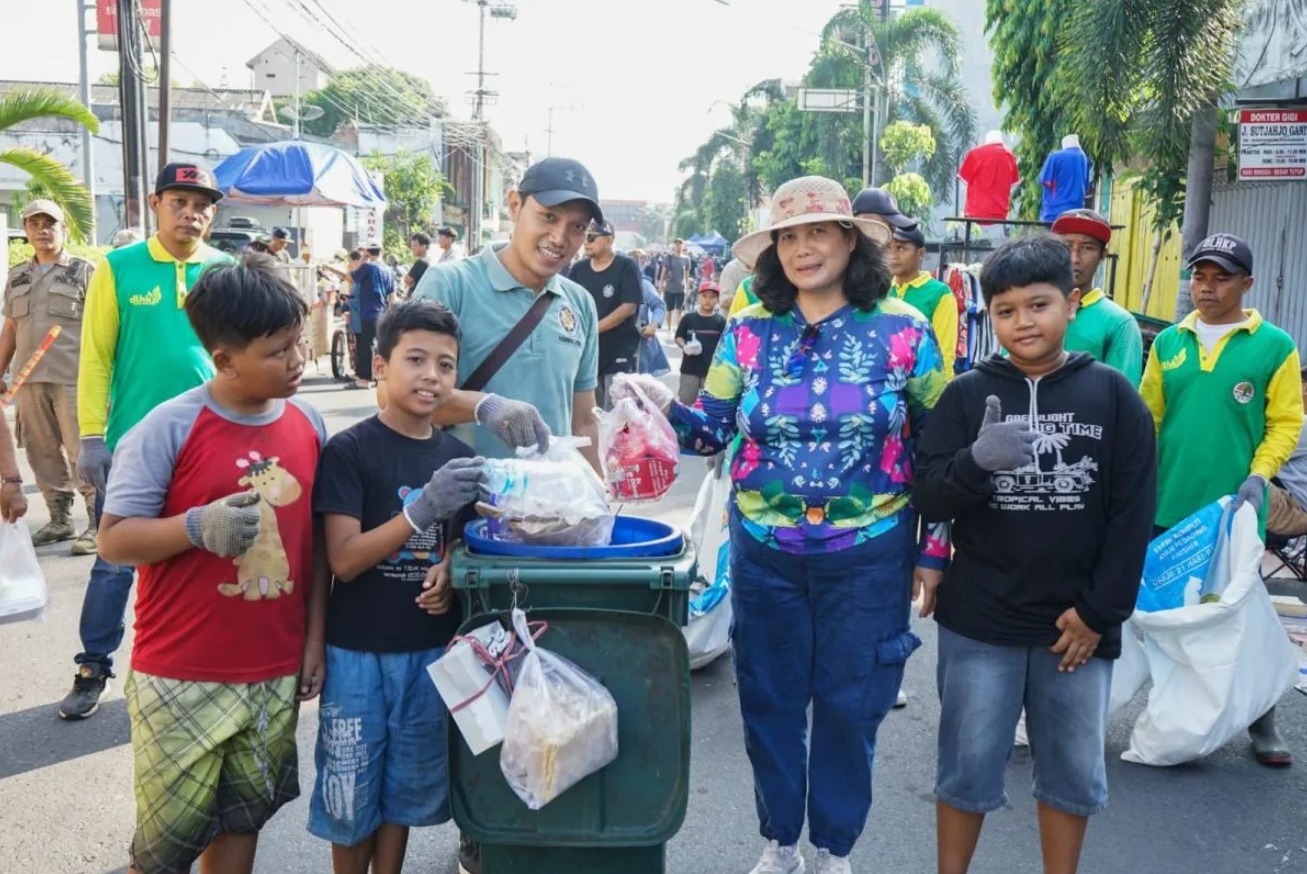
x: 496, y: 9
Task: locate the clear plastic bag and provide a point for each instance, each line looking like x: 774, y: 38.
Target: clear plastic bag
x: 561, y: 727
x: 552, y: 498
x: 638, y: 447
x: 23, y: 594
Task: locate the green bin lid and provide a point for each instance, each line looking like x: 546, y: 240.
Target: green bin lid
x: 640, y: 799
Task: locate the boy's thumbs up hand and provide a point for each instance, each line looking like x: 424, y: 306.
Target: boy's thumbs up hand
x: 1003, y: 445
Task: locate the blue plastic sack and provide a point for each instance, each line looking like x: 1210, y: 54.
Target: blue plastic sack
x: 1180, y: 568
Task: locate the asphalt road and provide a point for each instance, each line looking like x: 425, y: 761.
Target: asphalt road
x: 66, y: 805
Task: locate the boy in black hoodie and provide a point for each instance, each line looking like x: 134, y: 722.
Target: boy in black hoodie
x: 1045, y: 461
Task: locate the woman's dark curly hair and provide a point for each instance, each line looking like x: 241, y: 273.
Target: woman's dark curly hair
x: 866, y: 280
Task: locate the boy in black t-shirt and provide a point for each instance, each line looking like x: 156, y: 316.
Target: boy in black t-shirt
x: 697, y: 335
x: 389, y: 522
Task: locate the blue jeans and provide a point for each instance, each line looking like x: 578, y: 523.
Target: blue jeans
x: 830, y: 630
x: 982, y: 688
x: 104, y: 606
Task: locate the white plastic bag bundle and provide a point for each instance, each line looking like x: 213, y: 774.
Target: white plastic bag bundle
x: 23, y: 594
x: 1216, y: 667
x: 561, y: 727
x: 553, y: 498
x: 708, y: 633
x: 1130, y: 671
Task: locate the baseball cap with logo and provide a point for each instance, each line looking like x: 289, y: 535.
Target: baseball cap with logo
x: 1084, y: 221
x: 600, y: 228
x: 41, y: 206
x: 280, y: 233
x: 187, y: 177
x: 1227, y: 250
x: 879, y: 202
x: 913, y: 235
x: 554, y: 181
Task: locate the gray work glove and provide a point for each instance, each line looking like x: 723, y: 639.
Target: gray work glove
x: 227, y: 527
x: 453, y: 487
x: 1003, y: 445
x: 93, y: 461
x: 516, y: 423
x: 1252, y: 493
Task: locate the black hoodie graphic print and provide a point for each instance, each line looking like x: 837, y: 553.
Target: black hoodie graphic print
x: 1069, y: 530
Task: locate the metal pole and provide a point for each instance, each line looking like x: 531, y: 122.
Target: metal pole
x: 143, y: 132
x: 129, y: 118
x: 481, y: 62
x: 84, y: 93
x: 881, y: 112
x: 866, y: 121
x: 165, y: 80
x: 296, y: 119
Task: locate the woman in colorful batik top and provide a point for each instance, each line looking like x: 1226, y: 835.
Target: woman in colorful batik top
x: 826, y: 381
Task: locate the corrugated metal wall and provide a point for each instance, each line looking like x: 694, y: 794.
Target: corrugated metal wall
x: 1272, y: 217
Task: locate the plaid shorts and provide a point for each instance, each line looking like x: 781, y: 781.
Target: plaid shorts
x: 208, y: 758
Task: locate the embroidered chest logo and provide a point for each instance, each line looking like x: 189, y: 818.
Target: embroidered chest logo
x: 567, y: 319
x: 1244, y: 392
x: 146, y: 300
x: 1176, y: 361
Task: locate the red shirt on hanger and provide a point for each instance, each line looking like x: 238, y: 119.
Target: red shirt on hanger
x: 990, y: 171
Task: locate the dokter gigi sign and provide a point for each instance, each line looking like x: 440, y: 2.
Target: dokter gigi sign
x: 1272, y: 144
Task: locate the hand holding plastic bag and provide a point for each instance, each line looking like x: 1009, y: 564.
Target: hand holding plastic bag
x: 553, y: 498
x: 23, y: 594
x: 561, y: 726
x: 638, y: 447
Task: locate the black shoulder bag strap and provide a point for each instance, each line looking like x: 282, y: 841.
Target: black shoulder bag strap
x: 507, y: 346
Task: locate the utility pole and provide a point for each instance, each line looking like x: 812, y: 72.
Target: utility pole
x: 84, y: 92
x: 866, y: 111
x: 496, y: 9
x: 296, y: 119
x: 131, y: 110
x: 165, y: 80
x: 882, y: 106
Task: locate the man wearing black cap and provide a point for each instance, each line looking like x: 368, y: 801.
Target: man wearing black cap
x: 930, y: 297
x: 879, y: 204
x: 1101, y: 327
x: 1224, y: 389
x: 277, y: 245
x: 613, y: 281
x: 138, y: 350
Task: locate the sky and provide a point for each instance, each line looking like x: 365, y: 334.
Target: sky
x: 634, y: 85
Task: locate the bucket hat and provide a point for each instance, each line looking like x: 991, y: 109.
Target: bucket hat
x: 803, y: 201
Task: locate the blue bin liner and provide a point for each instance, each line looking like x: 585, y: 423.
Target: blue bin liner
x: 633, y: 537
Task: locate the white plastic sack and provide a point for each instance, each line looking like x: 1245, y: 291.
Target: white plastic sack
x: 23, y: 594
x: 561, y: 727
x: 1216, y: 667
x: 708, y: 633
x: 1130, y: 671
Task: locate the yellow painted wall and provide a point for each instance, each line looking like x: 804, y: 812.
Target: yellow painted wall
x: 1133, y: 246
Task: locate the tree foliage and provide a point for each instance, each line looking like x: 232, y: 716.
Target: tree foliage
x: 53, y: 177
x: 373, y: 95
x: 413, y: 183
x: 904, y: 144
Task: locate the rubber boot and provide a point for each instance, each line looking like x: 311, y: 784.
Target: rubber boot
x: 86, y: 542
x: 60, y: 526
x: 1269, y: 748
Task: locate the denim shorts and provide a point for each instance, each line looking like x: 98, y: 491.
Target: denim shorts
x: 982, y: 689
x: 381, y: 746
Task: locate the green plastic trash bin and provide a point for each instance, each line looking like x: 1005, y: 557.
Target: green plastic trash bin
x: 620, y: 620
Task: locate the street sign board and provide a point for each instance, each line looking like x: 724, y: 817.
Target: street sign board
x: 829, y: 100
x: 106, y: 22
x: 1272, y: 144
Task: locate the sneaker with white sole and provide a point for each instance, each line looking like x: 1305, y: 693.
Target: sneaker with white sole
x: 828, y: 864
x: 779, y: 860
x: 901, y: 701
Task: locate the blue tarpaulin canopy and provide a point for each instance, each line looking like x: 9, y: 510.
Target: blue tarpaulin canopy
x: 296, y: 173
x: 713, y: 242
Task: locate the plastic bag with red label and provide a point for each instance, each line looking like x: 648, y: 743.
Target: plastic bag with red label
x: 639, y: 449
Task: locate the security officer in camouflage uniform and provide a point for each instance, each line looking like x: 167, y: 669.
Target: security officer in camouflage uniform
x: 50, y: 290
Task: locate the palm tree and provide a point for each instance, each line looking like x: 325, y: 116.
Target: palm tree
x: 25, y: 104
x: 917, y: 89
x: 1054, y: 441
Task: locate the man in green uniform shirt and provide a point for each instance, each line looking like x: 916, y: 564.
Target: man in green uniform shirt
x: 138, y: 350
x: 917, y: 288
x: 1225, y: 391
x: 1102, y: 328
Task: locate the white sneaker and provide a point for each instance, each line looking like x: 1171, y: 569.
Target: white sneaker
x: 828, y: 864
x: 779, y: 860
x: 901, y: 701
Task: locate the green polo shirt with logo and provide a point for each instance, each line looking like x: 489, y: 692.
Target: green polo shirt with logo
x: 138, y: 347
x: 1107, y: 331
x: 558, y: 359
x: 1220, y: 415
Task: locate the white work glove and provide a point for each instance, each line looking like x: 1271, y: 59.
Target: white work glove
x: 642, y: 386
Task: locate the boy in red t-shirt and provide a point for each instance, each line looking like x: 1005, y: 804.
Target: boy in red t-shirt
x: 210, y: 496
